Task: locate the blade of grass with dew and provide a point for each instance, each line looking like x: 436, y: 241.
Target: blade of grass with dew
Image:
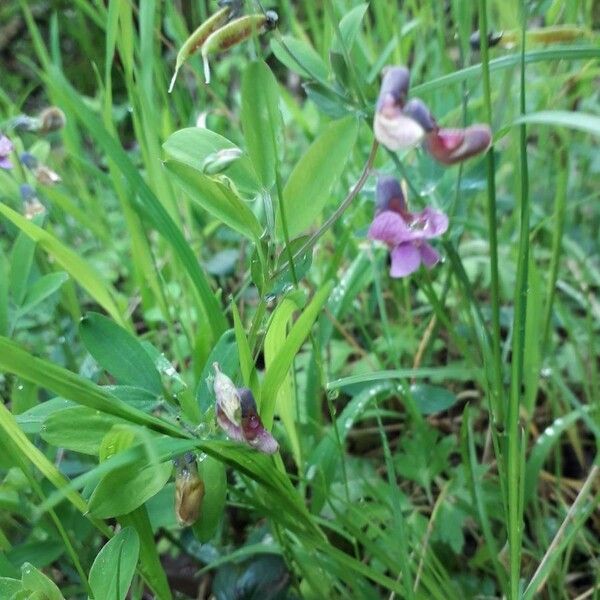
x: 70, y: 261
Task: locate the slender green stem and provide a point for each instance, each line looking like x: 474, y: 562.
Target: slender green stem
x: 513, y: 429
x: 560, y: 205
x: 316, y: 236
x: 497, y: 400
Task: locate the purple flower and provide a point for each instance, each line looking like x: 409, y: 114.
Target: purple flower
x: 393, y: 127
x: 405, y: 233
x: 237, y: 415
x: 450, y: 146
x: 6, y: 148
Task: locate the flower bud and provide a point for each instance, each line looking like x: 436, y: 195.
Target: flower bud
x: 51, y: 119
x: 189, y: 490
x: 450, y: 146
x: 28, y: 160
x: 46, y: 176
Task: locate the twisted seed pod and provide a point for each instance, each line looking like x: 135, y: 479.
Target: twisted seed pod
x: 199, y: 36
x: 233, y: 33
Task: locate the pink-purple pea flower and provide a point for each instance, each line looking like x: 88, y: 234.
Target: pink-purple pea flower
x: 400, y: 124
x: 237, y: 415
x: 405, y: 233
x: 6, y: 148
x: 392, y: 126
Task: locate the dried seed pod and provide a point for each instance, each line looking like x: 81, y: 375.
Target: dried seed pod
x: 51, y: 119
x: 233, y: 33
x: 189, y: 490
x: 46, y: 176
x: 199, y: 36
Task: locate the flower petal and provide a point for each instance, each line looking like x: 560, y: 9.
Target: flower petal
x: 226, y: 394
x: 397, y: 132
x: 6, y: 146
x: 389, y: 227
x: 406, y: 259
x: 394, y: 87
x: 252, y: 427
x: 389, y: 195
x: 264, y: 442
x: 417, y: 110
x: 450, y: 146
x: 429, y: 255
x: 5, y: 163
x: 433, y: 223
x: 232, y: 431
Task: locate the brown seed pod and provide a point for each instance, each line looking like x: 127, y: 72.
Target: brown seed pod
x: 199, y: 36
x: 233, y: 33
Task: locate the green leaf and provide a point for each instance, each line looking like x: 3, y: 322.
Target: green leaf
x: 119, y: 352
x: 9, y: 586
x: 92, y: 426
x: 43, y: 288
x: 308, y: 187
x: 212, y: 473
x: 70, y: 261
x: 35, y: 581
x: 431, y: 399
x: 217, y: 198
x: 193, y: 145
x: 123, y: 490
x: 21, y: 259
x: 349, y: 27
x: 563, y: 118
x: 286, y: 396
x: 299, y: 57
x: 14, y: 359
x: 261, y: 119
x: 277, y: 370
x: 114, y: 567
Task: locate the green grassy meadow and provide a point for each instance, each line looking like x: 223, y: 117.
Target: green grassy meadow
x: 234, y: 364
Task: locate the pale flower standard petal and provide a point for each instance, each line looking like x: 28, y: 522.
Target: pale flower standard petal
x: 392, y: 127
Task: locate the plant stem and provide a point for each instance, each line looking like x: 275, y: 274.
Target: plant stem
x: 513, y: 429
x: 316, y: 236
x: 497, y: 399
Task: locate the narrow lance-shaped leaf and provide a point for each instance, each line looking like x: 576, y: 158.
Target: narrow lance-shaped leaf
x: 276, y: 372
x: 119, y: 352
x: 261, y: 119
x: 307, y: 189
x: 69, y: 260
x: 218, y: 199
